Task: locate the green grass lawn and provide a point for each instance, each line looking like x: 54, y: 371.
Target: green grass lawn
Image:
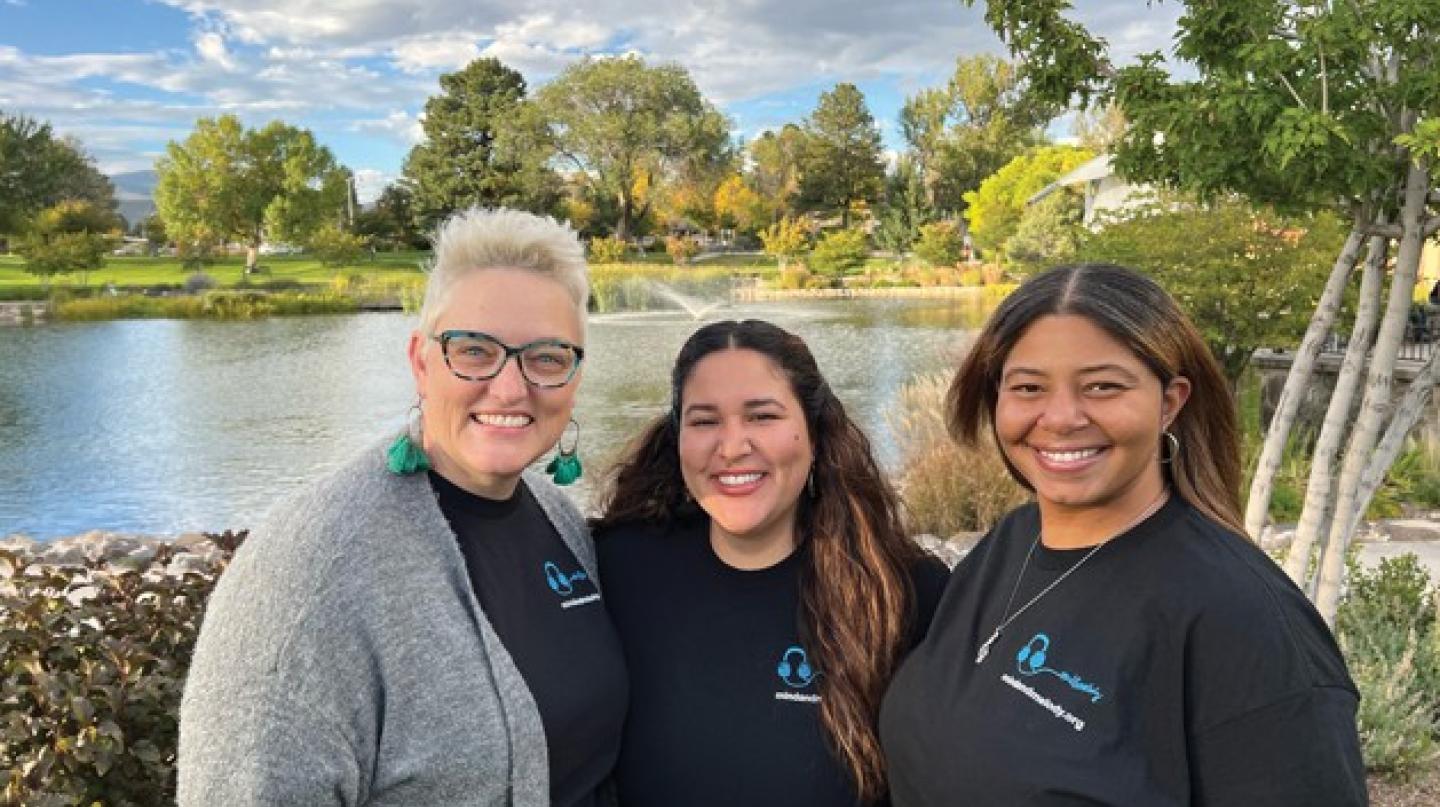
x: 128, y: 271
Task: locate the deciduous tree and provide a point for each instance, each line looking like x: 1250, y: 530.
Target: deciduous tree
x: 965, y: 131
x: 738, y: 206
x: 39, y: 170
x: 1245, y: 276
x: 775, y: 158
x: 72, y: 236
x: 995, y: 208
x: 624, y: 126
x: 226, y: 182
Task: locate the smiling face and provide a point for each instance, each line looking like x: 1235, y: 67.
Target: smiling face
x: 481, y: 435
x: 1079, y: 415
x: 745, y: 454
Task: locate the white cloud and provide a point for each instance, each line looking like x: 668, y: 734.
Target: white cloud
x: 211, y: 47
x: 369, y: 182
x: 399, y: 126
x: 429, y: 52
x: 560, y: 34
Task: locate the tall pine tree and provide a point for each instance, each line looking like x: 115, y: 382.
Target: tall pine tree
x: 841, y: 164
x: 468, y: 158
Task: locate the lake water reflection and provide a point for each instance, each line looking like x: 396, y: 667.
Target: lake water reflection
x: 168, y: 426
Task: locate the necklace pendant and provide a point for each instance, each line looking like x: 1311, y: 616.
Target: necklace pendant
x: 985, y: 648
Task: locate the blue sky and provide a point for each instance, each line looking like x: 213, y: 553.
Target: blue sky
x: 126, y: 76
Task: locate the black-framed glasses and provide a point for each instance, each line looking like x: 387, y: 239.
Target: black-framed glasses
x: 476, y: 356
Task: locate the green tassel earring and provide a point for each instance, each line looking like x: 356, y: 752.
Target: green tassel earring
x: 404, y: 457
x: 564, y: 467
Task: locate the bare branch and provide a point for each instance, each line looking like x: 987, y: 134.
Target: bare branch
x: 1431, y: 227
x: 1383, y: 231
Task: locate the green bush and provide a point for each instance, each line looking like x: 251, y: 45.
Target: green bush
x: 607, y: 250
x: 786, y: 240
x: 1387, y: 628
x: 940, y: 244
x: 795, y: 277
x: 1049, y: 233
x: 29, y: 292
x: 336, y: 247
x: 63, y: 253
x: 839, y: 253
x: 91, y: 667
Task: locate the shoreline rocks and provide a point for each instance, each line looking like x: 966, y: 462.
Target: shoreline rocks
x: 172, y: 556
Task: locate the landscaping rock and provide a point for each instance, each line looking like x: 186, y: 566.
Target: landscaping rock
x: 20, y: 544
x: 949, y: 552
x: 191, y: 540
x: 63, y: 555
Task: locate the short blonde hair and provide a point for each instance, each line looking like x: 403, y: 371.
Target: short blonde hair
x: 478, y: 239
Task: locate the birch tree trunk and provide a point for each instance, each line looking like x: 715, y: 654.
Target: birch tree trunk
x: 1377, y: 404
x: 1407, y: 414
x: 1257, y: 508
x: 1319, y: 491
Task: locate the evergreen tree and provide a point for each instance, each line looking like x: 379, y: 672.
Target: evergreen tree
x: 841, y: 163
x: 471, y: 157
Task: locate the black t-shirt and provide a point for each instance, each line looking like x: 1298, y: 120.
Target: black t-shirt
x: 1178, y: 666
x: 548, y: 614
x: 724, y: 704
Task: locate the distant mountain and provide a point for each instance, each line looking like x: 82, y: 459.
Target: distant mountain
x: 135, y: 191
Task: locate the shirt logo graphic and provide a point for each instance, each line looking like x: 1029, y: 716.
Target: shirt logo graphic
x: 1031, y: 661
x: 794, y: 668
x: 561, y: 583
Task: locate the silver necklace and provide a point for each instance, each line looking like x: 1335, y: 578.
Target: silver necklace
x: 1015, y: 589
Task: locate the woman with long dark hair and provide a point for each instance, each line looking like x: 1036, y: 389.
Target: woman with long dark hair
x: 1120, y: 641
x: 761, y: 582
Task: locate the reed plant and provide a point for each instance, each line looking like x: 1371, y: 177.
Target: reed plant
x: 947, y: 489
x: 222, y: 304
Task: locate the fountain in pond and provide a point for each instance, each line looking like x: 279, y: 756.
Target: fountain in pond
x: 696, y: 308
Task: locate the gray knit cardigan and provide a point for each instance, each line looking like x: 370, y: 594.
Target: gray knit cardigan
x: 344, y: 660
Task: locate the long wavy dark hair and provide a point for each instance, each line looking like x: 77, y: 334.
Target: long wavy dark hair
x: 1139, y: 314
x: 856, y: 595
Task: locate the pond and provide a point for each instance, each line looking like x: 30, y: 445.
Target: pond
x: 167, y: 426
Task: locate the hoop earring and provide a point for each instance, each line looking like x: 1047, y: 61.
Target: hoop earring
x: 565, y: 468
x: 405, y: 456
x: 1174, y: 453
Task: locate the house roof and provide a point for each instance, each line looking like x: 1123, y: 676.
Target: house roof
x: 1088, y: 171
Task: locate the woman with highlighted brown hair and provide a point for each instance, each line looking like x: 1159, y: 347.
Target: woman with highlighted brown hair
x: 1119, y: 641
x: 761, y: 583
